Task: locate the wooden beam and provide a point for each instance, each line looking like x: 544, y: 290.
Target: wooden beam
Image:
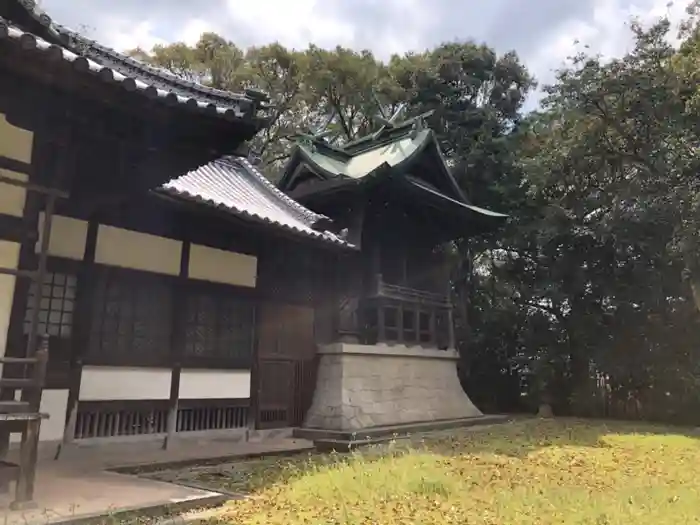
x: 179, y: 313
x: 39, y: 277
x: 39, y: 188
x: 15, y: 165
x: 81, y: 329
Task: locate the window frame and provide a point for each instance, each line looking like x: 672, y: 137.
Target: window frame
x: 135, y: 359
x: 218, y: 291
x: 181, y: 290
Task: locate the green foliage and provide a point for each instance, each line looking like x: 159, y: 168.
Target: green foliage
x: 600, y: 270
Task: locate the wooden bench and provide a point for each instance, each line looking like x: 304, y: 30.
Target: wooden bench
x: 22, y: 416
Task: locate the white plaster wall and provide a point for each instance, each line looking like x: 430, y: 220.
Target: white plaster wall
x: 138, y: 251
x: 214, y: 384
x: 9, y: 258
x: 117, y: 383
x: 15, y: 143
x: 12, y: 198
x: 54, y: 403
x: 68, y: 237
x: 219, y: 266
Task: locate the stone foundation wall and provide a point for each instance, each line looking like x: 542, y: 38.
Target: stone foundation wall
x: 362, y: 386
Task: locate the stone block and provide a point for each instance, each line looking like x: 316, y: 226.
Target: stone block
x: 364, y: 386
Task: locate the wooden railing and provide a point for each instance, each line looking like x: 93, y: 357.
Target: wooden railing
x: 404, y: 293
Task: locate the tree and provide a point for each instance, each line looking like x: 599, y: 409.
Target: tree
x: 610, y: 167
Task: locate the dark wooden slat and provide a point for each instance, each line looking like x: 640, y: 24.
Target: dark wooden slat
x: 18, y: 360
x: 18, y: 273
x: 15, y: 165
x: 12, y: 382
x: 33, y: 187
x: 14, y: 407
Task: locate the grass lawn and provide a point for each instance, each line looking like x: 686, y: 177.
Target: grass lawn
x: 527, y: 472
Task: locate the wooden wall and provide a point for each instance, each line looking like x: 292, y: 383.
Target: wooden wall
x: 111, y: 229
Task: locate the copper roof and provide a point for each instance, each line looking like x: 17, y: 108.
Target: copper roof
x: 235, y: 186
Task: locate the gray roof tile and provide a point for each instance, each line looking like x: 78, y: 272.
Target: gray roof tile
x: 236, y: 186
x: 133, y: 78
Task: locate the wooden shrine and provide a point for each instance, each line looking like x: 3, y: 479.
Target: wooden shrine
x: 392, y: 360
x: 395, y: 199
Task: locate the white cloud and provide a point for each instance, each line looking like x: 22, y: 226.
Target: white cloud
x: 385, y: 26
x: 194, y: 29
x: 124, y: 34
x: 293, y: 23
x: 608, y: 33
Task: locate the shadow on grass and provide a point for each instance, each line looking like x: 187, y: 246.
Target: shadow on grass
x: 521, y: 438
x: 517, y: 439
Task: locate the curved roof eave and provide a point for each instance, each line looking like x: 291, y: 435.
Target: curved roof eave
x: 199, y: 94
x: 234, y: 185
x: 29, y: 42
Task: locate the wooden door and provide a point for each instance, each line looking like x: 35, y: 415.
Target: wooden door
x: 286, y: 360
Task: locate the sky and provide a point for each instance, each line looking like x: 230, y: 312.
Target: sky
x: 543, y: 32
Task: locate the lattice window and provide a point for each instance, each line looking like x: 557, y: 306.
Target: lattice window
x: 219, y: 327
x: 56, y: 305
x: 131, y: 319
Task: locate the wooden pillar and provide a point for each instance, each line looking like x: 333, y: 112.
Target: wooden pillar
x: 381, y: 322
x: 450, y: 307
x: 399, y: 323
x: 81, y: 330
x: 254, y: 405
x: 416, y: 325
x: 29, y: 449
x: 179, y: 313
x: 450, y: 327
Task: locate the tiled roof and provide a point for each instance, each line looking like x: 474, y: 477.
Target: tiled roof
x: 153, y: 75
x: 36, y: 12
x: 234, y: 185
x: 134, y: 76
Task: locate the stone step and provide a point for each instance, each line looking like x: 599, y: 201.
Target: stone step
x: 343, y: 440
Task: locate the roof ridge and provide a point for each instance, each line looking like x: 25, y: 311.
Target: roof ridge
x: 147, y: 69
x: 129, y: 82
x: 61, y: 33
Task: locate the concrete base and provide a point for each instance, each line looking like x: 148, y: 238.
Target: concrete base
x: 362, y: 386
x: 344, y: 441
